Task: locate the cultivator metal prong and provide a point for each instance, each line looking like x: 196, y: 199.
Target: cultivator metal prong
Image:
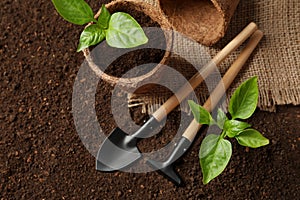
x: 167, y: 168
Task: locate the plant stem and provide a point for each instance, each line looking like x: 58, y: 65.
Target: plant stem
x: 223, y: 134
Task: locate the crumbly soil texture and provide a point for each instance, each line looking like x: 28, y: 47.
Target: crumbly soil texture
x: 42, y: 156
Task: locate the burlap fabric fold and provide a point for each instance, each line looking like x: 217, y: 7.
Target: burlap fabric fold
x: 275, y: 61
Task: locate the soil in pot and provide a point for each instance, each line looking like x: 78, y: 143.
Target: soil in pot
x: 144, y: 57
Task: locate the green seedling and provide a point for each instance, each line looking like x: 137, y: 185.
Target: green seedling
x: 215, y: 150
x: 119, y: 29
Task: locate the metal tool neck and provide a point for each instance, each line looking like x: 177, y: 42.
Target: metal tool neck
x: 148, y: 128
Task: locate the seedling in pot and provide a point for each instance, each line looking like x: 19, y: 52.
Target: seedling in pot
x: 215, y: 151
x: 119, y: 29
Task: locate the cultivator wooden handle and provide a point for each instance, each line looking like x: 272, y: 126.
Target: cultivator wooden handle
x: 226, y: 81
x: 198, y: 78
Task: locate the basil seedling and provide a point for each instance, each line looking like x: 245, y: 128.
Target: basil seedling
x: 120, y: 29
x: 215, y: 150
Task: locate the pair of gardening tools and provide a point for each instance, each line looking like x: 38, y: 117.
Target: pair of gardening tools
x: 119, y: 150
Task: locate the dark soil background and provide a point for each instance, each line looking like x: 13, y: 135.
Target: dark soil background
x: 42, y: 157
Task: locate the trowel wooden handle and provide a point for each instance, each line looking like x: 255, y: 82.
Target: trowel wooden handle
x: 228, y: 78
x: 185, y: 90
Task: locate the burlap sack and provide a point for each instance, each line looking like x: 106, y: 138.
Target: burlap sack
x: 275, y: 61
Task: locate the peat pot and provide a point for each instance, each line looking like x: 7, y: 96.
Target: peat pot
x: 205, y: 21
x: 132, y: 68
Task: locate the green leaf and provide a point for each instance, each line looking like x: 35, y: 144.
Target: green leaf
x: 215, y: 153
x: 90, y: 36
x: 74, y: 11
x: 244, y: 100
x: 201, y: 115
x: 221, y: 118
x: 124, y: 32
x: 208, y: 144
x: 234, y: 127
x: 251, y: 138
x: 104, y: 17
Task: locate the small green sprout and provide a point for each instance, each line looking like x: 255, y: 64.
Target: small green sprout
x: 215, y: 151
x: 119, y: 29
